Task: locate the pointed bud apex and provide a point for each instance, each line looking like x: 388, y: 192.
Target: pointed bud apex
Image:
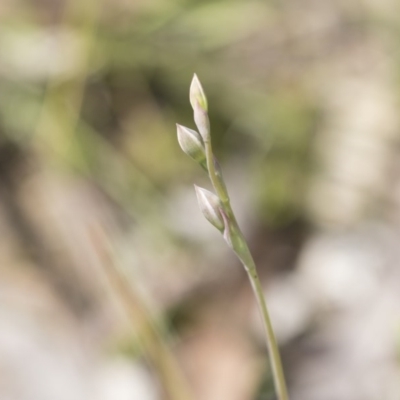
x: 197, y: 95
x: 191, y: 143
x: 210, y: 207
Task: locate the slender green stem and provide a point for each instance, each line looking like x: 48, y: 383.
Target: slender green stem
x: 242, y: 251
x: 277, y: 370
x: 216, y: 182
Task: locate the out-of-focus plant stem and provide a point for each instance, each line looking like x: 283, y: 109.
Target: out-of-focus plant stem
x: 152, y: 341
x: 54, y: 140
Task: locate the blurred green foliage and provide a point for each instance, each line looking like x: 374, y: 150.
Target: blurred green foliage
x: 107, y: 82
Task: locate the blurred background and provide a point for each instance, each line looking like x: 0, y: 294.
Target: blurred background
x: 112, y: 286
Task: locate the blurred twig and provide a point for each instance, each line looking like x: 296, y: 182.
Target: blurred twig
x: 149, y: 336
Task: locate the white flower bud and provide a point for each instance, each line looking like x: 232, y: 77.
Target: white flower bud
x: 210, y: 207
x: 191, y: 143
x: 202, y: 123
x: 197, y: 95
x: 198, y: 101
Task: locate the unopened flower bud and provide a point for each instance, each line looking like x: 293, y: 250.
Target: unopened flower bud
x: 202, y: 123
x: 210, y: 207
x: 198, y: 101
x: 197, y: 95
x: 191, y: 143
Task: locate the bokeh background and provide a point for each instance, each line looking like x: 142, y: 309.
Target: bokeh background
x: 112, y: 286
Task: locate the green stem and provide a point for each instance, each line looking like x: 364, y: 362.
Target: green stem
x: 241, y: 249
x: 243, y: 252
x: 273, y: 349
x: 216, y: 182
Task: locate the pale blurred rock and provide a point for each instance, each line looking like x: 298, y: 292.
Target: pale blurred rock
x: 355, y: 283
x: 123, y: 380
x: 34, y: 366
x: 291, y: 308
x: 341, y: 270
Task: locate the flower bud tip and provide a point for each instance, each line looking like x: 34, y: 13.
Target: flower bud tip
x: 197, y: 95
